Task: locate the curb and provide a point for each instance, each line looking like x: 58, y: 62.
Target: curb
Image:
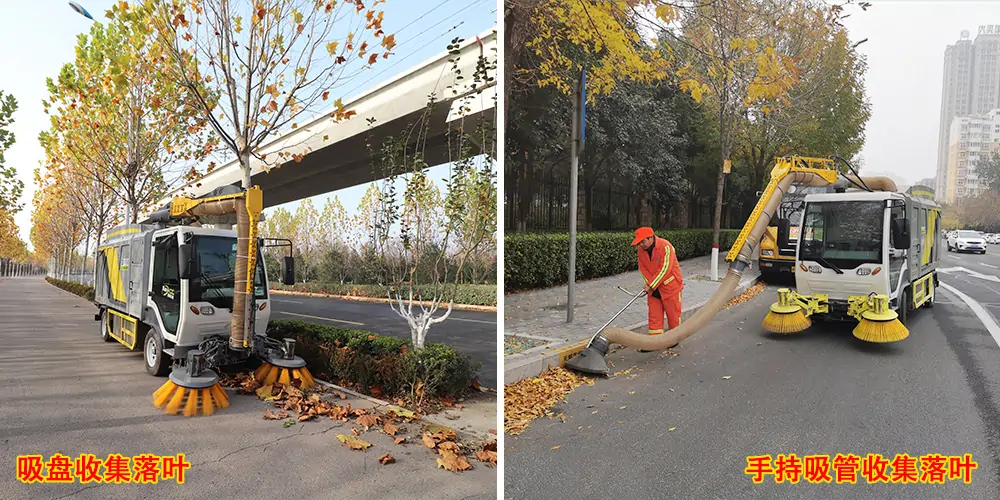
x: 462, y: 307
x: 463, y: 434
x: 519, y: 366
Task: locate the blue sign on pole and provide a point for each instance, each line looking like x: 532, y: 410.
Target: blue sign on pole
x: 583, y: 106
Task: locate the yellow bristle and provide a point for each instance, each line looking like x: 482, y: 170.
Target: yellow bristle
x: 206, y: 402
x: 284, y: 378
x: 307, y: 377
x: 162, y: 394
x: 272, y: 376
x: 786, y: 323
x: 175, y: 402
x: 221, y: 400
x: 881, y: 331
x: 191, y: 408
x: 261, y: 371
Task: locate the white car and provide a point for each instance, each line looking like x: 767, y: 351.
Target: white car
x: 967, y: 241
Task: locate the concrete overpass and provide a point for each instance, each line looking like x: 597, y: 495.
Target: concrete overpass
x: 343, y: 160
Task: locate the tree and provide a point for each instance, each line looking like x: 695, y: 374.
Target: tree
x: 116, y: 120
x: 823, y: 114
x: 442, y: 252
x: 988, y: 172
x: 10, y: 186
x: 255, y: 68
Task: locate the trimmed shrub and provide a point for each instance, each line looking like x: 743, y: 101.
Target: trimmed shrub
x: 366, y: 359
x: 85, y: 291
x: 477, y: 295
x: 541, y: 260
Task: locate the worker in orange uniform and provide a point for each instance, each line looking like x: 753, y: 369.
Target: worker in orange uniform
x: 658, y: 265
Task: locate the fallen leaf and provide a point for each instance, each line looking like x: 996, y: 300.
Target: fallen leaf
x: 266, y: 392
x: 269, y: 415
x: 340, y: 394
x: 727, y: 377
x: 631, y: 393
x: 449, y: 445
x: 400, y: 439
x: 556, y: 447
x: 386, y: 459
x: 429, y: 441
x: 353, y: 442
x: 672, y: 429
x: 368, y: 421
x: 453, y: 462
x: 306, y: 416
x: 487, y: 456
x: 390, y: 428
x: 529, y: 399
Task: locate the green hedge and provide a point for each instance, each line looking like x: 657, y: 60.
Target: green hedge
x: 540, y: 260
x: 366, y: 359
x: 478, y: 295
x: 85, y: 291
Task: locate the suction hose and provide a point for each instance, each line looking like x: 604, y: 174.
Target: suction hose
x: 588, y: 360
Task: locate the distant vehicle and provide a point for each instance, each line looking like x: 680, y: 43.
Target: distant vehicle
x: 967, y: 241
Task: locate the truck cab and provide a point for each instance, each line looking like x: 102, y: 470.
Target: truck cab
x: 858, y: 243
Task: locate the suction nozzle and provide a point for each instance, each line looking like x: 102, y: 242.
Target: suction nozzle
x: 591, y: 359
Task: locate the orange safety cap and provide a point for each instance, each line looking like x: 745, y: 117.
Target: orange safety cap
x: 641, y: 234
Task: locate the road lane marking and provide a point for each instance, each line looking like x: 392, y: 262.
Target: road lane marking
x: 322, y: 318
x: 989, y: 265
x: 286, y: 301
x: 987, y: 277
x: 984, y: 316
x: 474, y: 321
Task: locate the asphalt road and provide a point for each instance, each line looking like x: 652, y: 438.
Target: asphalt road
x: 64, y: 390
x: 471, y: 332
x: 820, y: 392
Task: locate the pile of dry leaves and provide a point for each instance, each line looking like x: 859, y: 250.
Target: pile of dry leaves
x: 747, y: 295
x: 295, y: 405
x: 528, y: 399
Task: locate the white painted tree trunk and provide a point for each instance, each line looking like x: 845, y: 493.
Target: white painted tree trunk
x: 420, y: 321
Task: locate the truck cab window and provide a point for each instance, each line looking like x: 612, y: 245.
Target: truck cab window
x: 166, y: 284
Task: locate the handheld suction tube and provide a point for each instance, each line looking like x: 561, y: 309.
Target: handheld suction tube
x: 591, y: 360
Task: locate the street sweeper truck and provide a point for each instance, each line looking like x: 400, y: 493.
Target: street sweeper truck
x: 787, y: 171
x: 863, y: 255
x: 194, y: 298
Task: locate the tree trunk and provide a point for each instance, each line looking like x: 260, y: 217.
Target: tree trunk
x: 717, y: 220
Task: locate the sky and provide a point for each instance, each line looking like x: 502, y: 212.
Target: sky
x: 39, y: 37
x: 905, y: 51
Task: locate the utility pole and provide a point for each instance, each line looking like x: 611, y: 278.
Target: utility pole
x: 579, y: 126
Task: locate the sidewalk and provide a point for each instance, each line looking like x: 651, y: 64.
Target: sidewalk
x: 540, y: 315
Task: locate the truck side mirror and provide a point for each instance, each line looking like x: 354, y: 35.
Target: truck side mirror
x: 288, y: 271
x: 184, y: 261
x: 900, y: 234
x: 784, y: 227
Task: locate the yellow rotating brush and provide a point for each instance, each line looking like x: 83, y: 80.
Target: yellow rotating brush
x: 282, y: 366
x: 193, y: 387
x: 270, y: 374
x: 193, y: 399
x: 880, y: 324
x: 786, y: 316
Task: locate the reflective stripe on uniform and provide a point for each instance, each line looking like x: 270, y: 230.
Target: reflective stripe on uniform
x: 666, y: 264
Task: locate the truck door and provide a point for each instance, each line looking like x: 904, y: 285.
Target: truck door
x: 896, y: 257
x: 165, y: 286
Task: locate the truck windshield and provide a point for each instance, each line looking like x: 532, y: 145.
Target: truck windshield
x: 213, y: 281
x: 843, y: 234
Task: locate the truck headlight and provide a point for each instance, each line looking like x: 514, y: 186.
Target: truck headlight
x: 767, y: 253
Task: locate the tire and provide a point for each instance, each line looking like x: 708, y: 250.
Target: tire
x: 157, y: 362
x: 904, y: 299
x: 105, y: 336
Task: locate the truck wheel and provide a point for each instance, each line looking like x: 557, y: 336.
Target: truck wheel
x: 105, y: 336
x: 157, y: 362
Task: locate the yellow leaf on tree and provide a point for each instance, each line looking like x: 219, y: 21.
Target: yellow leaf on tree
x: 331, y: 47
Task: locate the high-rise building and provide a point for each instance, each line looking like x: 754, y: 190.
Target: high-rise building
x: 956, y: 99
x: 971, y: 140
